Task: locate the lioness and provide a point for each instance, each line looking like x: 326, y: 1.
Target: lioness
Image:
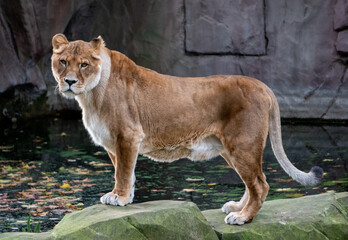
x: 131, y: 110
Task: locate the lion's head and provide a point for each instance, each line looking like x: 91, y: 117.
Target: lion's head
x: 76, y: 66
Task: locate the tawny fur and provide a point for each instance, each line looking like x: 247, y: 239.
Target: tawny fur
x: 131, y: 110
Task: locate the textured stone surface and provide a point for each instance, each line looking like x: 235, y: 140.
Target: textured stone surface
x: 12, y: 72
x: 25, y: 236
x: 151, y: 220
x: 321, y: 216
x: 342, y: 43
x: 290, y: 47
x: 235, y: 27
x: 341, y: 14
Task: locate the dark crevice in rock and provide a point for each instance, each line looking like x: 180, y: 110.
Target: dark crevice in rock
x: 97, y: 234
x: 331, y: 139
x: 323, y: 234
x: 14, y: 44
x: 312, y: 92
x: 340, y: 209
x: 337, y: 94
x: 129, y: 221
x: 184, y: 24
x: 241, y: 70
x: 264, y: 26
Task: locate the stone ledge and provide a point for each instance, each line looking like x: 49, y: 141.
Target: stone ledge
x: 150, y: 220
x: 323, y: 216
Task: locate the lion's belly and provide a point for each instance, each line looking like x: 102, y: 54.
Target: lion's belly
x: 203, y: 149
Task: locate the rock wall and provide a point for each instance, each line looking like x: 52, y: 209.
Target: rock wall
x: 298, y: 48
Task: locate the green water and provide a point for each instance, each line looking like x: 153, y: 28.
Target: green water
x: 49, y: 168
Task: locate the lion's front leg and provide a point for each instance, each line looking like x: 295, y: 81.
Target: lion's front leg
x: 124, y: 164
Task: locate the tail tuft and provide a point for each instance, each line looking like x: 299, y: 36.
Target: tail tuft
x: 317, y: 173
x: 308, y: 179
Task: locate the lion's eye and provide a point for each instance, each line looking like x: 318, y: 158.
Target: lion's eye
x: 83, y: 65
x: 63, y: 62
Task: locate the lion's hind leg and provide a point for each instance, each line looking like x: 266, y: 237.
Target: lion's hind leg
x: 248, y: 166
x: 233, y: 206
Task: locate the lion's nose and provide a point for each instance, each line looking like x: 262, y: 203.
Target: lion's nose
x: 69, y: 81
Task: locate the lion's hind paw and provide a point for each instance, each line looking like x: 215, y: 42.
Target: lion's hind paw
x: 111, y: 199
x: 231, y: 206
x: 235, y: 218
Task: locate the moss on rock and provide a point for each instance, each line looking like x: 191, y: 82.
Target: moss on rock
x: 322, y: 216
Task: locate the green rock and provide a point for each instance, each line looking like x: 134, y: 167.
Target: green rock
x: 151, y: 220
x: 25, y: 235
x: 322, y: 216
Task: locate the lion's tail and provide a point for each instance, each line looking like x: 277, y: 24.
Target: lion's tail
x: 308, y: 179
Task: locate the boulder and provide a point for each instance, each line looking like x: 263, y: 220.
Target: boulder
x: 323, y: 216
x: 151, y: 220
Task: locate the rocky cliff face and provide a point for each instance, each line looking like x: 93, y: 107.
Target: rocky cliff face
x: 299, y: 49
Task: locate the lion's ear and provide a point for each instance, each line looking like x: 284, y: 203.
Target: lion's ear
x: 97, y: 42
x: 59, y: 40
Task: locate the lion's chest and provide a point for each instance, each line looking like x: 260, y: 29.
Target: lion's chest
x: 98, y: 130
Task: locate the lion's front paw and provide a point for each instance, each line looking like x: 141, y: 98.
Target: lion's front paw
x: 231, y: 206
x: 114, y: 199
x: 235, y: 218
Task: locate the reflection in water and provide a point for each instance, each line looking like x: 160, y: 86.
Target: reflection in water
x: 49, y: 168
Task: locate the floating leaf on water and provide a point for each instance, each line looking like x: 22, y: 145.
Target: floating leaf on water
x: 285, y: 190
x: 99, y: 164
x: 328, y: 160
x: 188, y: 190
x: 29, y: 206
x: 98, y: 153
x: 63, y: 134
x: 65, y: 186
x: 223, y: 166
x: 158, y: 190
x: 339, y: 181
x: 295, y: 195
x: 212, y: 184
x: 6, y: 147
x: 5, y: 180
x: 194, y: 179
x: 283, y: 180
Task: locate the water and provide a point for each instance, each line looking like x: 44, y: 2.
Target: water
x: 49, y: 168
